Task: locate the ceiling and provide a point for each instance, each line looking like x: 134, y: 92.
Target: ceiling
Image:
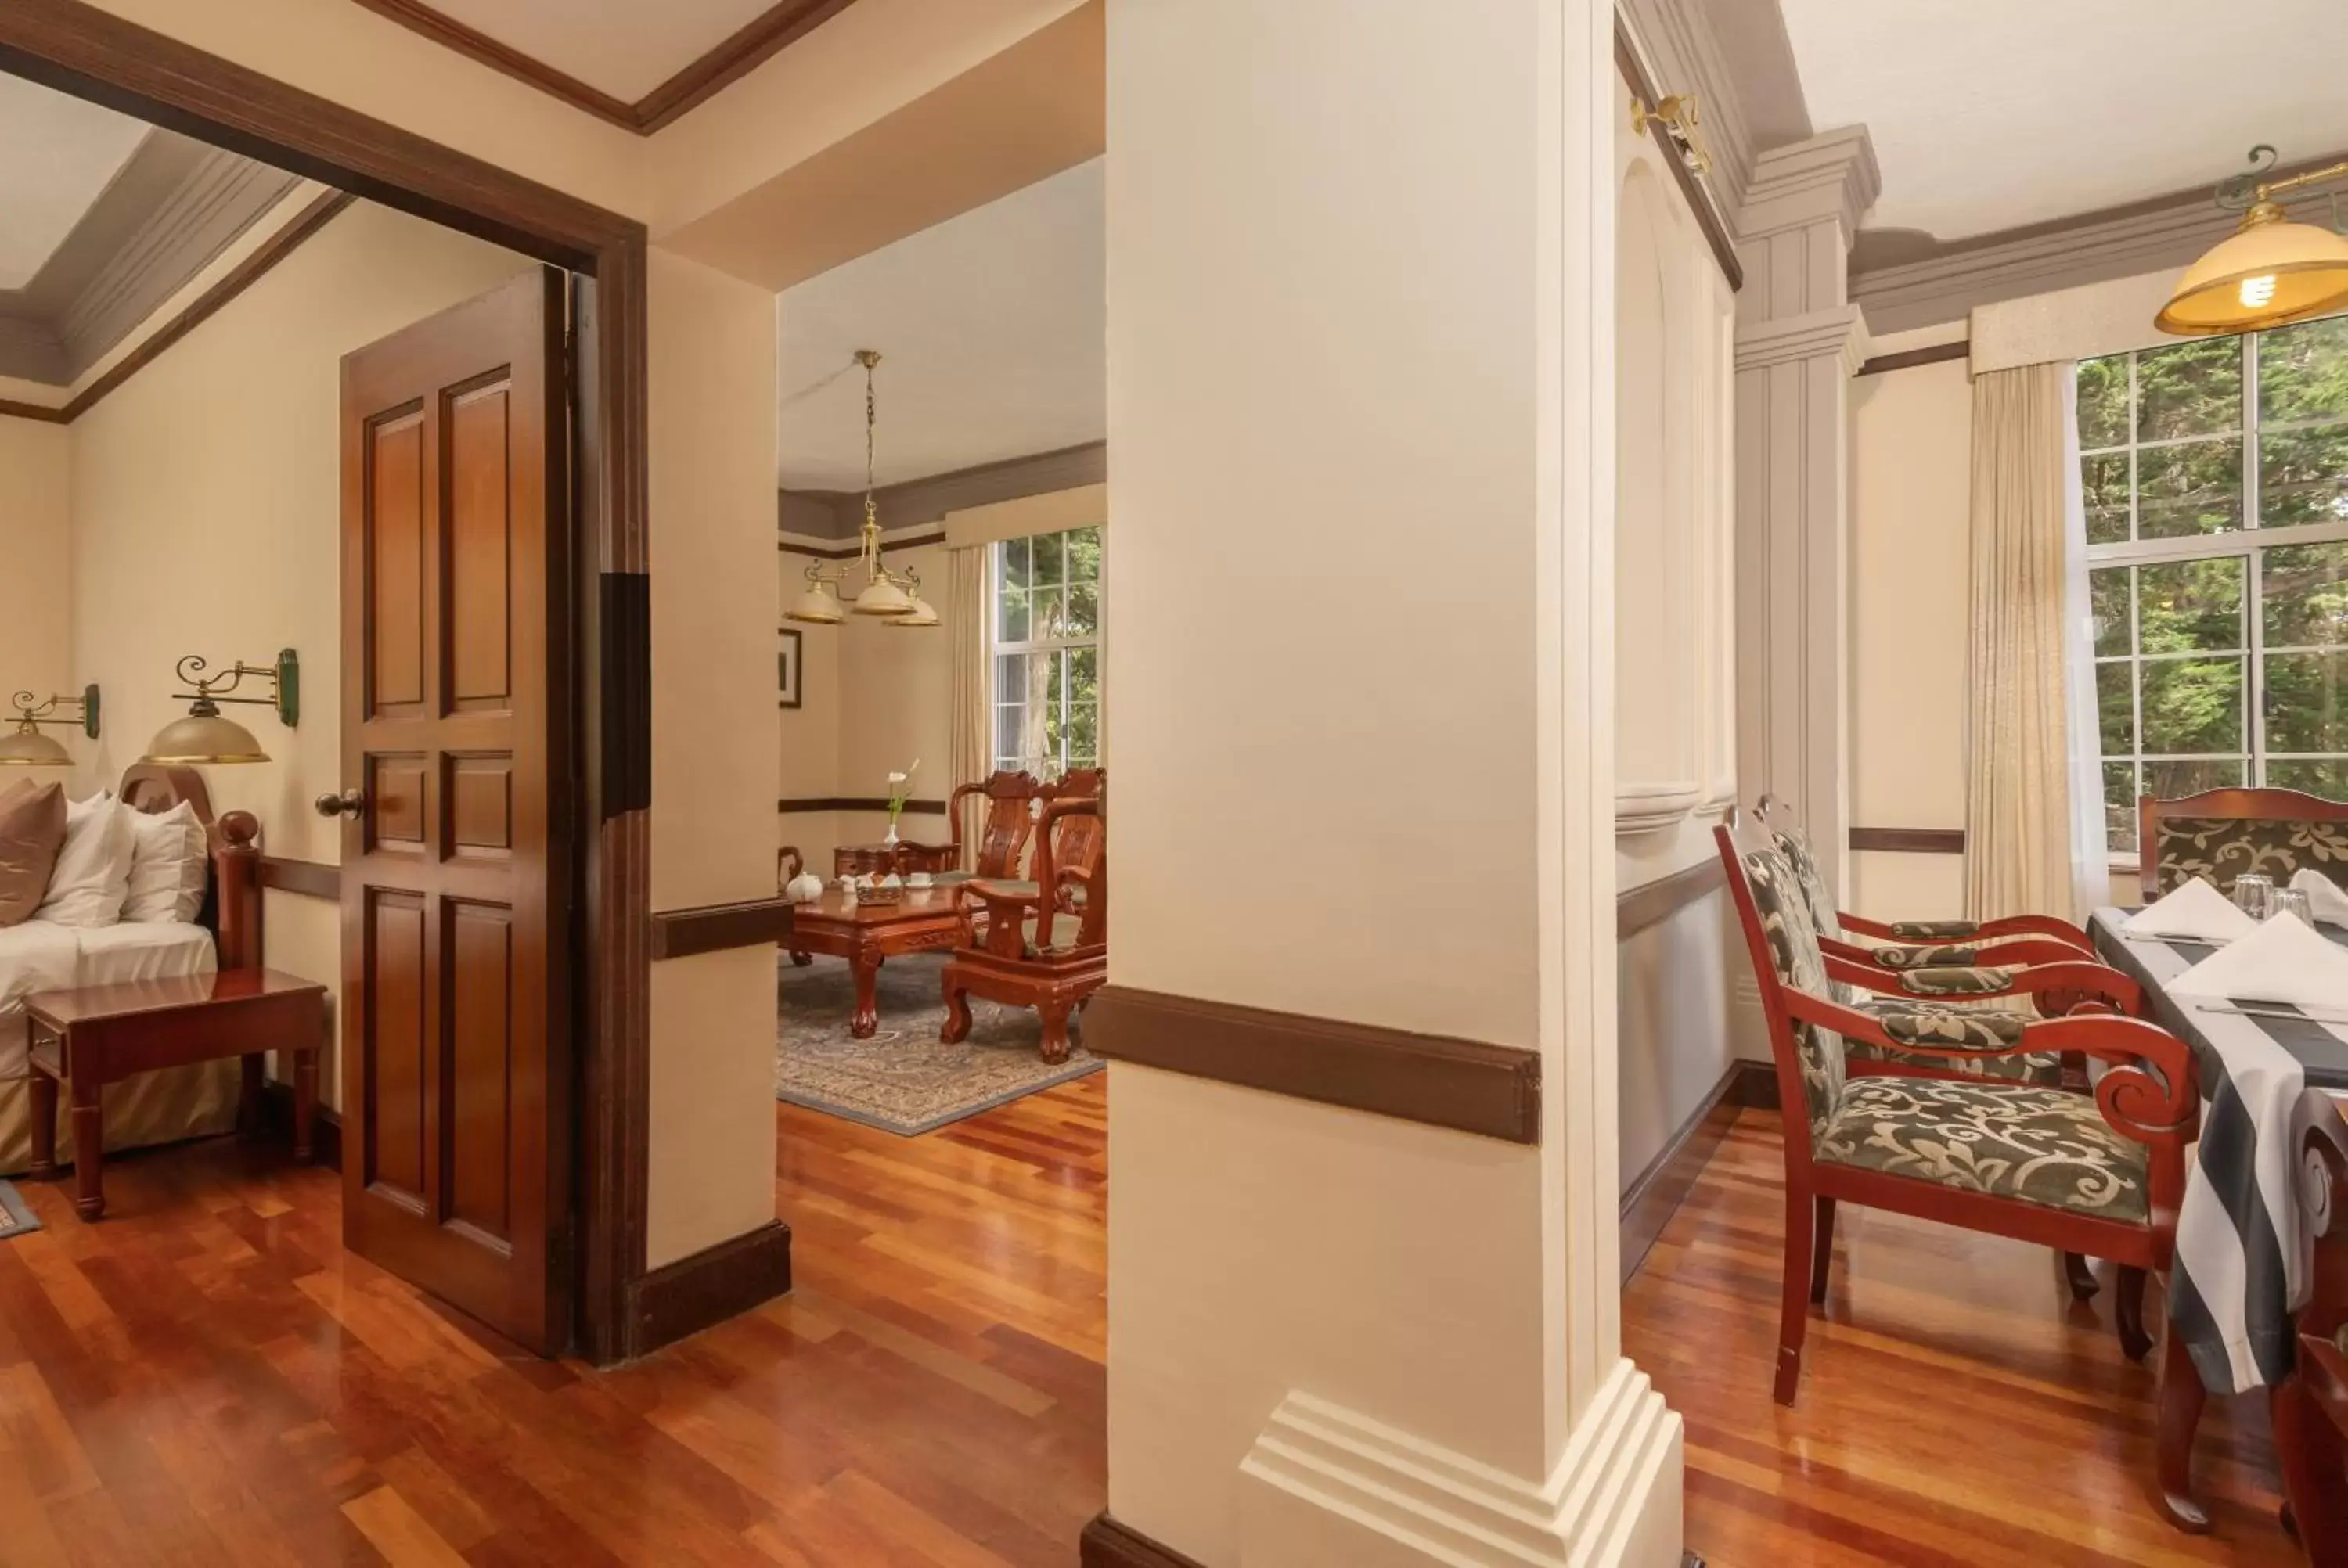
x: 1990, y: 114
x: 62, y: 154
x: 992, y: 329
x: 623, y: 47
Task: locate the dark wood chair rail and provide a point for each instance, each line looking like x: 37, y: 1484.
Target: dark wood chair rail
x: 714, y: 928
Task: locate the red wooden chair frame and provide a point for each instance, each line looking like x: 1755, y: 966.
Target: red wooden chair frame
x: 2310, y: 1406
x: 2159, y: 1108
x: 992, y: 957
x: 2232, y: 804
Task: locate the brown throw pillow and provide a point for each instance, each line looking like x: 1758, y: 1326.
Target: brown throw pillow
x: 32, y: 827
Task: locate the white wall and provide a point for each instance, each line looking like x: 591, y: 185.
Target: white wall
x: 206, y: 501
x: 1911, y: 488
x: 35, y: 652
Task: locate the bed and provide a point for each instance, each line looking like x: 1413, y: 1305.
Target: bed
x: 37, y: 955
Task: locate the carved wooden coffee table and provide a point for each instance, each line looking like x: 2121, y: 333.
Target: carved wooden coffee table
x: 866, y: 933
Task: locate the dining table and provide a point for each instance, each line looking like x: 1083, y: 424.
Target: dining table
x: 2241, y: 1269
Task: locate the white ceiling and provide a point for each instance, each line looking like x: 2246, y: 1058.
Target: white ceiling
x: 991, y: 328
x: 1987, y: 114
x: 626, y: 47
x: 61, y: 152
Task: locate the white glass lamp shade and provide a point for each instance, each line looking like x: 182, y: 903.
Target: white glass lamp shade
x: 883, y: 597
x: 815, y: 606
x: 204, y: 738
x: 2269, y: 272
x: 923, y: 613
x: 28, y: 748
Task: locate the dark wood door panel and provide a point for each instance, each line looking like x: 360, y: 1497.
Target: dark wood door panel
x: 456, y: 909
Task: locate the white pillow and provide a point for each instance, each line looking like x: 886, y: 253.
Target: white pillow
x: 93, y: 871
x: 169, y: 858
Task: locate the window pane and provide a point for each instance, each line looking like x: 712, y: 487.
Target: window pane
x: 2303, y: 476
x: 2102, y: 403
x: 1012, y: 625
x: 2190, y: 607
x: 2192, y: 707
x: 1015, y: 563
x: 2305, y: 590
x: 1084, y: 609
x: 2191, y: 489
x: 1084, y: 555
x: 1084, y: 730
x: 1047, y: 553
x: 2119, y: 804
x: 1010, y: 726
x: 2193, y: 389
x: 2190, y: 775
x: 2304, y: 702
x: 1011, y: 678
x: 2108, y: 592
x: 2115, y: 707
x: 2304, y: 372
x: 2105, y: 481
x: 1083, y: 675
x: 2325, y: 777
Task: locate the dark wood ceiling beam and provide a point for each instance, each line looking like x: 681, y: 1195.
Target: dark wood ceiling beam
x: 745, y: 51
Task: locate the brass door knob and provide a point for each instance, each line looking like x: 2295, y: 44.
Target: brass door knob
x: 350, y: 801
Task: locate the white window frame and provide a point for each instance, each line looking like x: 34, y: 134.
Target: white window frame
x: 998, y: 648
x: 2248, y: 543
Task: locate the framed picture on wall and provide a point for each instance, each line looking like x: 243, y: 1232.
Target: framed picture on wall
x: 787, y: 666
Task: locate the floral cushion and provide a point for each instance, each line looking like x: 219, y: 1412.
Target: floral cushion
x: 1933, y: 930
x: 1787, y: 926
x: 1958, y: 982
x: 1924, y: 956
x: 2223, y: 848
x: 2043, y: 1146
x: 1795, y: 845
x: 1975, y: 1027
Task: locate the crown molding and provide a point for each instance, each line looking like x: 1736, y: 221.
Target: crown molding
x: 1925, y: 282
x: 1738, y: 62
x: 1838, y: 331
x: 912, y: 504
x: 1833, y: 175
x: 750, y: 47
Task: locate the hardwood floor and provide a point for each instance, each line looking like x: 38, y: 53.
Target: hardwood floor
x: 206, y: 1378
x: 1956, y: 1407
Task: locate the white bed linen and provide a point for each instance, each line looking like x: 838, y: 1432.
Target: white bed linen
x: 36, y: 956
x: 146, y: 950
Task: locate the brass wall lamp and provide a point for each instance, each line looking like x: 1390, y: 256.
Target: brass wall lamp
x: 206, y: 737
x: 1678, y: 115
x: 28, y: 747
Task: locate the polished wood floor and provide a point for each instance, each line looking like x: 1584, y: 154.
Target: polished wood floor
x: 1956, y: 1408
x: 206, y: 1379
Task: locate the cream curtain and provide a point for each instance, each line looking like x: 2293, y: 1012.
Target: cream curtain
x: 2020, y: 833
x: 971, y: 628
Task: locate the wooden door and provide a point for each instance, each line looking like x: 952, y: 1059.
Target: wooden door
x: 457, y: 1050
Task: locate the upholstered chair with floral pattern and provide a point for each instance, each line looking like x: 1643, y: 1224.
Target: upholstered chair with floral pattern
x: 2223, y: 834
x: 1910, y: 1129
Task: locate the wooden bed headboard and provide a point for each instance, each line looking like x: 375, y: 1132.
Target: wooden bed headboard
x: 232, y: 900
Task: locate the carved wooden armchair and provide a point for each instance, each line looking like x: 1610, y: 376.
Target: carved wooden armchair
x: 1010, y: 819
x: 1045, y: 943
x: 2221, y: 834
x: 2098, y: 1175
x: 2310, y: 1406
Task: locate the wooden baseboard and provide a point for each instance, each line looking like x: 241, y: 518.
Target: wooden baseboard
x: 1654, y: 1194
x: 709, y: 1287
x: 325, y: 1127
x: 1105, y: 1543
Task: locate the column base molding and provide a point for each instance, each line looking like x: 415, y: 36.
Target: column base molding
x: 1323, y: 1484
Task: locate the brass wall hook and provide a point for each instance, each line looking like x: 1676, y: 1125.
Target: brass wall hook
x: 1678, y: 116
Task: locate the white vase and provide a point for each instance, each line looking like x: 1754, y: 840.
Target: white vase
x: 890, y: 840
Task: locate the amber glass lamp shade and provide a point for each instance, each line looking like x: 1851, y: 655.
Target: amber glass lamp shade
x: 2269, y: 272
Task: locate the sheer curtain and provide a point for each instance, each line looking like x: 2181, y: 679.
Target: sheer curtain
x: 973, y: 630
x: 2034, y: 832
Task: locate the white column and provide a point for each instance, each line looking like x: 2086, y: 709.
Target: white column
x: 1361, y: 373
x: 1799, y: 341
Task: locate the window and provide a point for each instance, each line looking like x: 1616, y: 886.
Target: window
x: 1047, y: 633
x: 2215, y: 480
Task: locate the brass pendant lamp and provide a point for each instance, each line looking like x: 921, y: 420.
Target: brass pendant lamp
x: 2271, y: 269
x: 896, y: 596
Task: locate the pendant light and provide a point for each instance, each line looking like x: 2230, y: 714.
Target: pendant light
x: 893, y: 597
x: 2270, y: 270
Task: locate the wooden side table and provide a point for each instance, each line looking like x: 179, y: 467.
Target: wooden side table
x: 904, y: 857
x: 866, y: 934
x: 92, y: 1036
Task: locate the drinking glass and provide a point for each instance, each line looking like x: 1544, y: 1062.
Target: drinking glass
x: 2290, y: 901
x: 2254, y: 894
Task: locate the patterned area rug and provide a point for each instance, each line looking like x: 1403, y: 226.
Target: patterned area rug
x: 902, y: 1079
x: 15, y: 1218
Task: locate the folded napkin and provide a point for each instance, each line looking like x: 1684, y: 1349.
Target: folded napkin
x: 2284, y: 960
x: 2324, y: 896
x: 2196, y: 910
